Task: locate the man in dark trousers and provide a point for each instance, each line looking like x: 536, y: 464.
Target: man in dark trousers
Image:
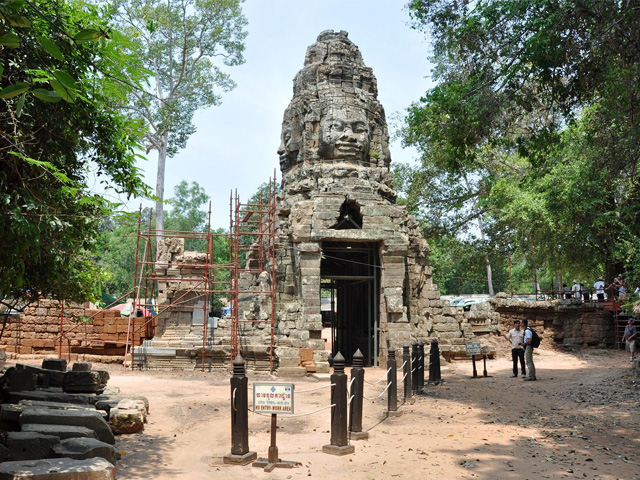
x: 528, y: 352
x: 516, y: 337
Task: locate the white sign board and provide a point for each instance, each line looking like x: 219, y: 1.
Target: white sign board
x: 474, y: 349
x: 269, y: 397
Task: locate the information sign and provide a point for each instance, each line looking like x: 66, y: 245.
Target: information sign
x: 269, y: 397
x: 474, y: 349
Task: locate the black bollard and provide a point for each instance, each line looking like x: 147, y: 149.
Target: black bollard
x: 434, y: 363
x: 392, y: 384
x: 240, y: 454
x: 415, y: 353
x: 339, y: 435
x: 406, y: 370
x: 420, y: 366
x: 357, y: 398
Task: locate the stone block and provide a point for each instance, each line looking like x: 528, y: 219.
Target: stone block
x: 85, y: 448
x: 30, y: 445
x: 79, y: 418
x: 85, y: 381
x: 59, y: 364
x: 124, y: 420
x: 58, y: 469
x: 19, y: 380
x: 81, y: 367
x: 61, y: 431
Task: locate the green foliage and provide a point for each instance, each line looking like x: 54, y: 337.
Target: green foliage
x: 57, y: 122
x: 531, y: 129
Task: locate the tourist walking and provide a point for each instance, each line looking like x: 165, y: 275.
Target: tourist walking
x: 599, y: 287
x: 528, y: 352
x: 516, y: 337
x: 629, y: 338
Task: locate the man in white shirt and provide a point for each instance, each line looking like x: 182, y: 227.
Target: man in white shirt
x: 516, y: 337
x: 599, y: 287
x: 576, y: 289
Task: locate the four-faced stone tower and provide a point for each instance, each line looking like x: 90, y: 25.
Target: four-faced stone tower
x: 348, y: 258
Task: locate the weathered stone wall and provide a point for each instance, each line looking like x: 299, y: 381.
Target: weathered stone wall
x: 560, y: 322
x: 36, y: 330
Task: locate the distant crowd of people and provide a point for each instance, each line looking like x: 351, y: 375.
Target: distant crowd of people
x: 617, y: 290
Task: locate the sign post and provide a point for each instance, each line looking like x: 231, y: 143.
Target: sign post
x: 273, y: 398
x: 474, y: 349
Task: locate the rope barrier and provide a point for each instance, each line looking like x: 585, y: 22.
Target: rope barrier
x: 405, y: 362
x: 316, y: 388
x: 349, y: 400
x: 233, y: 400
x: 405, y: 376
x: 381, y: 393
x: 381, y: 378
x: 413, y: 370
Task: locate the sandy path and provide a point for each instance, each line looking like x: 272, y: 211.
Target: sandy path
x: 577, y: 421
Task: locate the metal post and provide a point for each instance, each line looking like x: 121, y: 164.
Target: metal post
x: 406, y: 370
x: 420, y: 370
x: 434, y: 363
x: 484, y: 362
x: 392, y: 384
x: 415, y: 353
x: 240, y: 454
x: 357, y: 398
x: 339, y: 435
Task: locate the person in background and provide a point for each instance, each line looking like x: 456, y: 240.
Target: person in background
x: 599, y: 287
x: 528, y: 352
x: 516, y: 337
x: 567, y: 291
x: 629, y: 338
x: 576, y: 289
x: 586, y: 294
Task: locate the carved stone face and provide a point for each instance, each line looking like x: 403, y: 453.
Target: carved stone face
x: 289, y: 145
x: 344, y: 134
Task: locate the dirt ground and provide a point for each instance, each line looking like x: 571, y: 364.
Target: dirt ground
x: 579, y: 420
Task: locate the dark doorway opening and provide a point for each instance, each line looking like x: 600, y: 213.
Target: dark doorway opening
x: 350, y: 276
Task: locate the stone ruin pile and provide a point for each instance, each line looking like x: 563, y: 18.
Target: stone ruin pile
x: 55, y: 419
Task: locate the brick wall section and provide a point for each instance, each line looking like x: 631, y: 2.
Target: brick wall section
x: 36, y: 331
x: 565, y: 322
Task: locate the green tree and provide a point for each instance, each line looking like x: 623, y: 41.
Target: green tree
x: 183, y: 44
x: 550, y: 85
x: 60, y: 71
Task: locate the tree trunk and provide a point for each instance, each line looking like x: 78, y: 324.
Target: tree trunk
x: 559, y: 288
x: 162, y: 157
x: 486, y: 252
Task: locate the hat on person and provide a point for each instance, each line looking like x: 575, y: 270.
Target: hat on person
x: 600, y: 279
x: 575, y: 281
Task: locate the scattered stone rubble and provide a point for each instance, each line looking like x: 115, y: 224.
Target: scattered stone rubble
x: 52, y: 418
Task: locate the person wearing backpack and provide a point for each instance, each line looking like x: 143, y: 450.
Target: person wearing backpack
x: 528, y: 352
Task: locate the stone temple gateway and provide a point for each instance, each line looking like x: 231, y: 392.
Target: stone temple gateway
x: 340, y: 232
x: 340, y: 237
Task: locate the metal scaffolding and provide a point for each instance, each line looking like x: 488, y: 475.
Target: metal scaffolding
x: 248, y: 248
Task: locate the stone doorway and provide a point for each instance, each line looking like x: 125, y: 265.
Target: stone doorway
x: 350, y: 277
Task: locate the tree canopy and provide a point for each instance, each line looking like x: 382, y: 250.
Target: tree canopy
x: 61, y: 70
x: 533, y: 120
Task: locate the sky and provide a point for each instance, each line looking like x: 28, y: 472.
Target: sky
x: 236, y: 142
